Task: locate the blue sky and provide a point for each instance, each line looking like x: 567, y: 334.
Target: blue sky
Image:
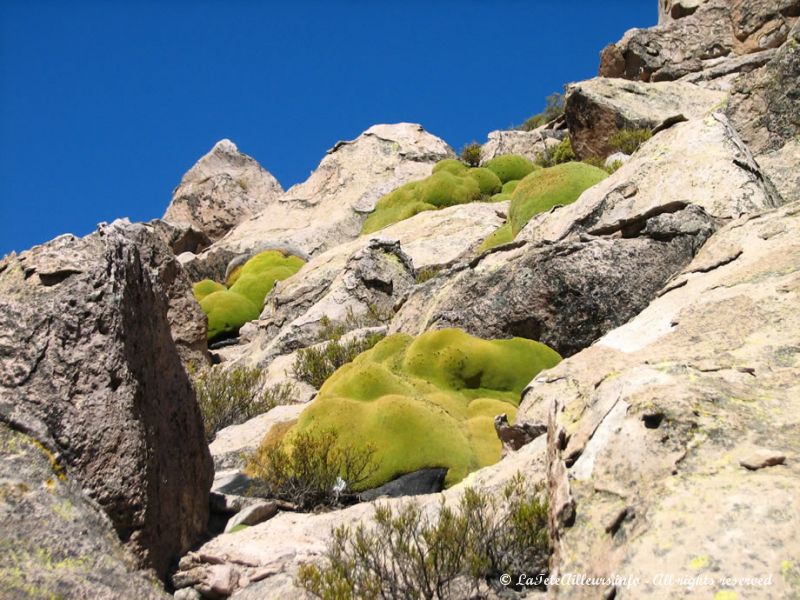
x: 105, y: 104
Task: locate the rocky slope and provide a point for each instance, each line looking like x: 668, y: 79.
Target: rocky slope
x: 670, y: 287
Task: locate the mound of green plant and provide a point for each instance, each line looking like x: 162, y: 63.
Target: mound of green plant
x: 509, y: 167
x: 203, y: 288
x: 510, y: 186
x: 501, y: 235
x: 542, y: 190
x: 428, y: 401
x: 488, y: 182
x: 228, y: 309
x: 449, y: 185
x: 405, y: 554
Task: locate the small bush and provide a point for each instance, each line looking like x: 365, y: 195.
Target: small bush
x: 236, y: 395
x: 554, y: 108
x: 563, y: 152
x: 629, y: 140
x: 471, y: 154
x: 315, y: 365
x: 311, y: 469
x: 407, y: 555
x: 427, y: 273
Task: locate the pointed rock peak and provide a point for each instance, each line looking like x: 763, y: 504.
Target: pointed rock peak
x: 222, y: 189
x: 410, y: 139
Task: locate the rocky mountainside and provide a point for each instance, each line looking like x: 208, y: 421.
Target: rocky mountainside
x: 648, y: 236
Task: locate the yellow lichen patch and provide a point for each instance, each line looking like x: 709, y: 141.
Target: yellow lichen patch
x: 58, y: 470
x: 699, y: 562
x: 726, y: 595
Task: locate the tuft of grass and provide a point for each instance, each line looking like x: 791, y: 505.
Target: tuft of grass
x: 404, y: 553
x: 230, y: 397
x: 629, y: 140
x: 311, y: 469
x: 561, y: 154
x: 316, y: 365
x: 427, y: 274
x: 554, y: 108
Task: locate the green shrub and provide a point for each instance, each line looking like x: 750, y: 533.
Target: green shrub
x: 629, y: 140
x: 471, y: 154
x: 450, y: 165
x: 230, y: 397
x: 203, y: 288
x: 227, y: 312
x: 316, y: 365
x: 614, y: 166
x: 554, y: 108
x: 542, y: 190
x: 510, y: 166
x: 488, y: 182
x: 446, y: 382
x: 406, y: 555
x: 311, y: 468
x: 563, y: 152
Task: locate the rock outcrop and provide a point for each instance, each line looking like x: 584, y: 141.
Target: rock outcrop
x: 654, y: 430
x: 694, y: 35
x: 330, y: 207
x: 221, y: 190
x: 90, y: 370
x: 598, y: 108
x: 530, y: 144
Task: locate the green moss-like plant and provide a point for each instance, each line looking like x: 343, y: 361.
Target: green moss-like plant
x: 510, y: 186
x: 203, y: 288
x: 444, y: 189
x: 488, y: 182
x: 428, y: 401
x: 509, y: 167
x: 227, y: 311
x: 399, y: 205
x: 450, y: 165
x: 502, y: 235
x: 542, y: 190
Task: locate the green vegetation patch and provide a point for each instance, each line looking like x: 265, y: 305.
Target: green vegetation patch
x: 488, y: 182
x: 428, y: 401
x: 542, y: 190
x: 629, y: 140
x: 509, y: 167
x: 230, y: 308
x: 501, y: 235
x: 450, y: 165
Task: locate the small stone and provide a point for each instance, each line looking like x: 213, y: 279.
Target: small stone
x: 761, y: 458
x: 253, y: 515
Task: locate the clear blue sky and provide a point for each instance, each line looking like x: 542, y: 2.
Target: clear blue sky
x: 105, y: 104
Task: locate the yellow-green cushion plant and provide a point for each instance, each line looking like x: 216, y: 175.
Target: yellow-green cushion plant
x: 488, y: 182
x: 501, y: 235
x: 227, y: 311
x: 203, y: 288
x: 510, y: 186
x: 545, y: 188
x: 440, y: 190
x: 450, y: 165
x: 509, y: 167
x: 428, y: 401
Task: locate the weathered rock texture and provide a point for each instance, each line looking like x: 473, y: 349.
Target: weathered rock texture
x: 594, y: 264
x: 697, y: 35
x: 596, y: 109
x: 327, y: 286
x: 330, y: 207
x: 764, y: 107
x: 650, y: 426
x: 221, y: 190
x: 530, y: 144
x: 55, y: 542
x: 89, y: 368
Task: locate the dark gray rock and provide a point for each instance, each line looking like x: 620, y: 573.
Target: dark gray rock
x: 567, y: 294
x: 90, y: 368
x: 55, y: 542
x: 424, y: 481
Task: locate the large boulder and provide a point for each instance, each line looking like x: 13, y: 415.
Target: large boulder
x: 55, y: 542
x: 672, y: 442
x: 329, y: 208
x: 530, y: 144
x: 693, y: 35
x: 763, y: 107
x: 598, y: 108
x: 90, y: 369
x: 222, y: 189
